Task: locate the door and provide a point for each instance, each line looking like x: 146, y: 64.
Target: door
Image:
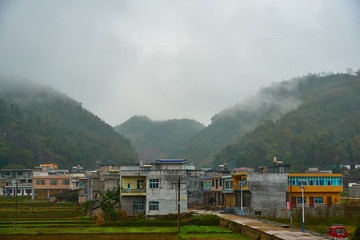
x: 312, y: 202
x: 293, y: 202
x: 329, y: 201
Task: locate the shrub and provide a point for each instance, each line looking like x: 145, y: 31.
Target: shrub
x: 204, y: 220
x: 356, y: 235
x: 100, y: 220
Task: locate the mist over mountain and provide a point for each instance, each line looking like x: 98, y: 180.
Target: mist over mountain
x: 39, y: 125
x: 158, y: 139
x: 323, y: 131
x: 227, y: 126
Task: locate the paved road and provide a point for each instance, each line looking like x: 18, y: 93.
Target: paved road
x: 280, y: 232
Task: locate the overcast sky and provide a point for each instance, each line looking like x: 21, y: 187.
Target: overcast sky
x: 173, y: 59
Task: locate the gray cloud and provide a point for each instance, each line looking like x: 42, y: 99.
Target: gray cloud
x: 173, y: 59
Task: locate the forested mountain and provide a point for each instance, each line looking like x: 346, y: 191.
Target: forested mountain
x: 40, y: 125
x: 323, y: 131
x: 230, y: 124
x: 158, y: 139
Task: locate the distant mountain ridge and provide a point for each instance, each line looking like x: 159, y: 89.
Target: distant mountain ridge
x: 158, y: 139
x: 40, y: 125
x: 227, y: 126
x: 323, y: 131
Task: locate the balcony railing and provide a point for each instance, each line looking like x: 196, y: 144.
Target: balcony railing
x: 141, y: 190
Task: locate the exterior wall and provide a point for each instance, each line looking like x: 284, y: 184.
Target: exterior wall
x: 194, y: 188
x: 47, y: 185
x: 355, y: 191
x: 161, y: 200
x: 16, y: 173
x: 240, y: 177
x: 47, y: 190
x: 167, y: 193
x: 127, y: 204
x: 330, y: 194
x: 268, y: 193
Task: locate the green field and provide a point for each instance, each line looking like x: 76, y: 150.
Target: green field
x: 45, y: 220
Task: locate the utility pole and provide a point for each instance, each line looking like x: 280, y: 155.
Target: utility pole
x: 303, y: 203
x: 16, y: 201
x: 178, y: 217
x: 291, y: 201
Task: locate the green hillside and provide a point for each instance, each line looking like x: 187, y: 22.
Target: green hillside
x: 158, y: 139
x: 230, y: 124
x: 323, y: 131
x: 40, y: 125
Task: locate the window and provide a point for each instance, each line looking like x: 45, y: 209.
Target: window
x: 319, y: 200
x: 212, y: 181
x: 20, y: 173
x: 153, y: 183
x: 154, y: 205
x: 22, y: 180
x: 18, y: 191
x: 140, y: 184
x: 53, y: 182
x: 66, y: 182
x: 140, y: 206
x: 129, y: 185
x: 298, y: 200
x: 228, y: 184
x: 40, y: 182
x: 29, y: 180
x: 220, y: 182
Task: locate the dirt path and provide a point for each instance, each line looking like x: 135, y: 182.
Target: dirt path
x: 279, y: 232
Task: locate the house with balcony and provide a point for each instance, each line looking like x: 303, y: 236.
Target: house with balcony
x: 206, y: 188
x: 319, y: 189
x: 228, y: 190
x: 150, y: 189
x: 16, y: 182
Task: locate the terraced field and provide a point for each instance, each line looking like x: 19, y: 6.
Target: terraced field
x: 45, y: 220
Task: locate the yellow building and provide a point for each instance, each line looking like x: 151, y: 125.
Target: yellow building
x: 319, y: 188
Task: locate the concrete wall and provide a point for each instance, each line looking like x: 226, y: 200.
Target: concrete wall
x: 127, y: 204
x: 167, y: 193
x: 355, y: 191
x: 195, y: 193
x: 268, y: 193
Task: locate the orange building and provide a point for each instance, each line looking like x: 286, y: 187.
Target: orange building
x: 319, y: 188
x: 46, y: 186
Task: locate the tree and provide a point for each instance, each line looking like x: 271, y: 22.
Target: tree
x: 110, y: 203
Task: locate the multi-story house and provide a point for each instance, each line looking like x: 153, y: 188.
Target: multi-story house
x: 157, y: 189
x: 207, y: 190
x: 16, y: 181
x: 318, y: 188
x: 228, y: 190
x: 46, y: 184
x: 260, y: 193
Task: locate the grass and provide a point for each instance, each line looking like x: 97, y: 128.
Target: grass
x: 217, y: 236
x: 46, y: 220
x: 347, y: 215
x: 87, y: 230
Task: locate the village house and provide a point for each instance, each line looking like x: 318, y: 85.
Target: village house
x: 150, y: 189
